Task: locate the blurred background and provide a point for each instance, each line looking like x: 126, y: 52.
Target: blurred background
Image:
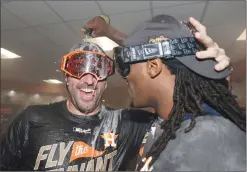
x: 39, y: 33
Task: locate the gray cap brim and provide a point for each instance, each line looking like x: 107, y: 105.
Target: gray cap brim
x: 169, y: 27
x: 204, y: 67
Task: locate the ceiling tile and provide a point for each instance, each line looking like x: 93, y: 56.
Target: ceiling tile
x: 10, y: 21
x: 34, y: 71
x: 161, y: 4
x: 33, y: 12
x: 117, y: 7
x: 225, y: 35
x: 59, y: 33
x: 223, y: 12
x: 77, y: 25
x: 37, y: 56
x: 40, y: 52
x: 237, y: 51
x: 17, y: 40
x: 74, y: 10
x: 128, y: 21
x: 183, y: 12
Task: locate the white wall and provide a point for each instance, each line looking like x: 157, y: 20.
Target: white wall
x: 239, y: 89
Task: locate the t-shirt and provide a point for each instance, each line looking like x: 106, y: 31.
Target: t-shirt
x: 49, y: 137
x: 214, y: 144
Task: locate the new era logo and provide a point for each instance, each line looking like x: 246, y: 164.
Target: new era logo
x: 181, y: 46
x: 149, y: 51
x: 174, y: 41
x: 187, y: 52
x: 183, y: 40
x: 177, y: 53
x: 190, y: 45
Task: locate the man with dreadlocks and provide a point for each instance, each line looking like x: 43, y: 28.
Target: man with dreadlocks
x: 159, y: 65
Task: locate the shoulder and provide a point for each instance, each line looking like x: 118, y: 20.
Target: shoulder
x: 214, y: 144
x: 215, y: 127
x: 214, y: 124
x: 45, y: 106
x: 131, y: 113
x: 218, y: 138
x: 35, y: 112
x: 138, y: 115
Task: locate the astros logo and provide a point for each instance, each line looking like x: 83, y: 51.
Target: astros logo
x: 109, y: 139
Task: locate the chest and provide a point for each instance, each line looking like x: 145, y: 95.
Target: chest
x: 71, y: 146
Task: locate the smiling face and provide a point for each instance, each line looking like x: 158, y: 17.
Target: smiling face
x: 85, y: 93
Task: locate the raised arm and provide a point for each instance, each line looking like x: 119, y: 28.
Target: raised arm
x: 101, y: 27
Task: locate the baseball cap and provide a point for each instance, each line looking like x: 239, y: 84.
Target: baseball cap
x: 168, y: 27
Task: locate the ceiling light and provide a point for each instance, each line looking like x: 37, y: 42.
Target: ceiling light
x: 6, y: 54
x: 105, y: 43
x: 53, y: 81
x: 36, y: 96
x: 242, y: 36
x: 11, y: 93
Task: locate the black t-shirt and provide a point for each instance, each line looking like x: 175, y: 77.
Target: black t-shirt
x: 49, y: 137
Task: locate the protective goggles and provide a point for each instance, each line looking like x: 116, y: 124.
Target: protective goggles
x: 166, y: 49
x: 80, y: 62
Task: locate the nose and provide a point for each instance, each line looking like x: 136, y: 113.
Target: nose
x: 89, y: 79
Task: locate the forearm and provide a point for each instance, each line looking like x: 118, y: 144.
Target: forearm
x: 115, y: 35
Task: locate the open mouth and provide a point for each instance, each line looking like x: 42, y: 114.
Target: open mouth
x: 87, y: 93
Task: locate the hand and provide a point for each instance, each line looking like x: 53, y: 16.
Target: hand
x: 212, y: 50
x: 98, y: 25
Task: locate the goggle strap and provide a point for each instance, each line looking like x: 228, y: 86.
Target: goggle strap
x: 170, y: 48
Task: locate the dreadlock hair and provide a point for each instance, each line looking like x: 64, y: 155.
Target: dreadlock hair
x: 191, y: 90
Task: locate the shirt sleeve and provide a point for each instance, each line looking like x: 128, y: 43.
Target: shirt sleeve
x: 13, y: 142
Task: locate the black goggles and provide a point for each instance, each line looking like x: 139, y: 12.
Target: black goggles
x: 166, y: 49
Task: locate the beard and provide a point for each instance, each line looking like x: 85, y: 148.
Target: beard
x: 84, y: 107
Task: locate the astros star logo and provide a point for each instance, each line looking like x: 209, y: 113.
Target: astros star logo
x: 109, y: 139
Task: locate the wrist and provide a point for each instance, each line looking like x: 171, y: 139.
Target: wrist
x: 110, y: 31
x: 105, y: 18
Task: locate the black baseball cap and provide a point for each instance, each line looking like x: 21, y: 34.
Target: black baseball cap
x: 168, y: 27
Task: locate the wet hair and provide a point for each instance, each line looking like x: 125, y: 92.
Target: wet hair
x: 191, y: 90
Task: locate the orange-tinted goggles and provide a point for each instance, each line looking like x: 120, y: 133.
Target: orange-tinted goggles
x: 79, y: 63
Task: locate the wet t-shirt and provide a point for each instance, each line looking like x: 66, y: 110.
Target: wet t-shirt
x: 49, y: 137
x: 214, y: 144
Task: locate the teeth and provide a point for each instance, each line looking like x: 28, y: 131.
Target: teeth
x: 87, y: 90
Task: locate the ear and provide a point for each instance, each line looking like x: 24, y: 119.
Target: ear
x: 155, y: 67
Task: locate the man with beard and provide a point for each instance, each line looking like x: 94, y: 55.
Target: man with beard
x: 79, y: 134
